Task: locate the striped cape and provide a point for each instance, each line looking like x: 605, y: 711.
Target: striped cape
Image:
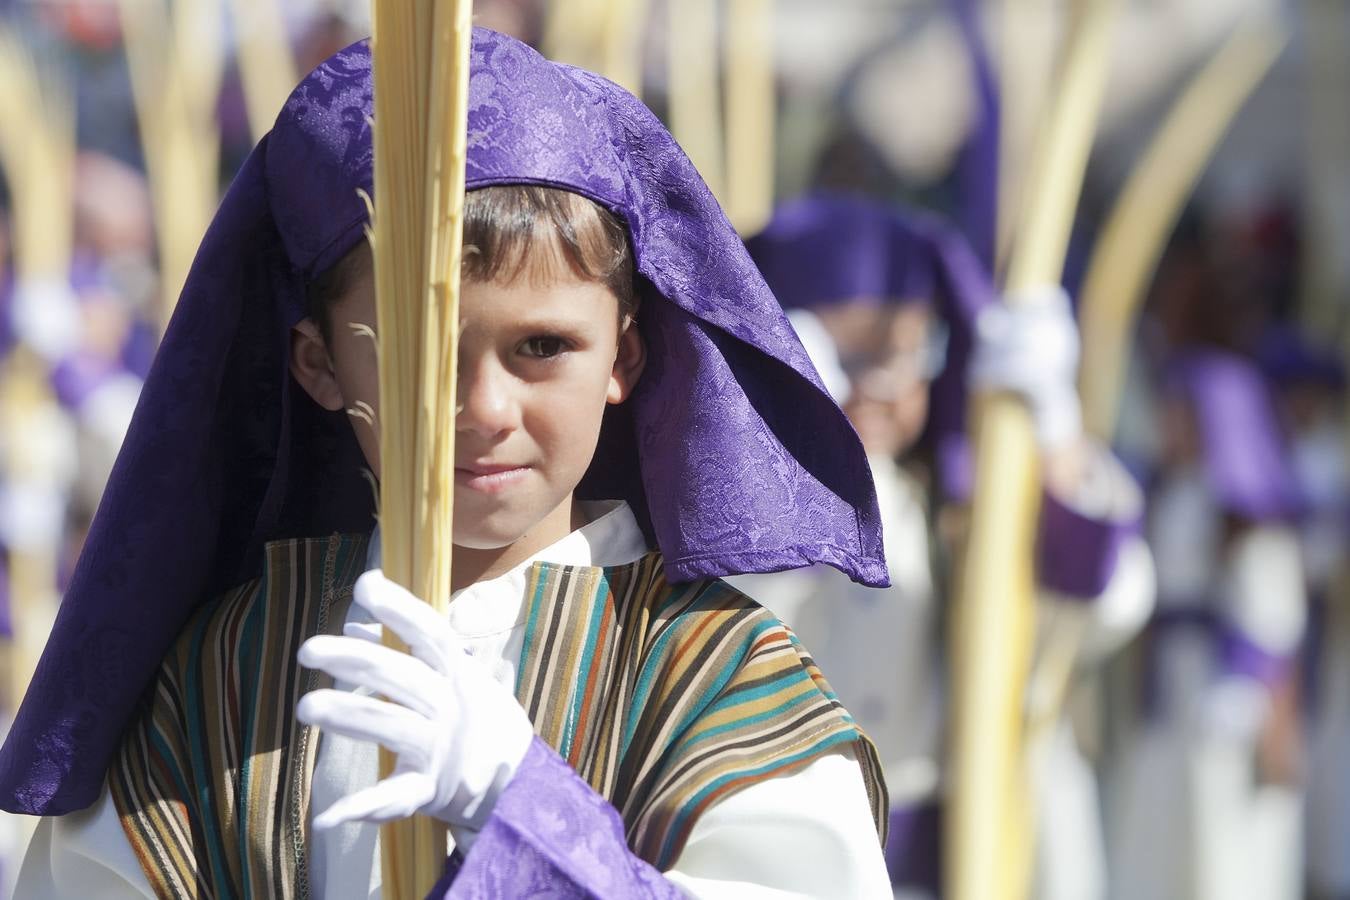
x: 664, y: 698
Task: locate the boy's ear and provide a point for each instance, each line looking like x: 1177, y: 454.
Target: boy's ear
x: 313, y: 367
x: 628, y: 364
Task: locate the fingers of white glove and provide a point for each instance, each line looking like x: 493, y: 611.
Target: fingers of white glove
x: 407, y: 734
x: 1041, y: 297
x: 366, y: 631
x: 1033, y: 311
x: 428, y: 635
x: 383, y: 670
x: 1030, y: 347
x: 396, y: 797
x: 1045, y: 325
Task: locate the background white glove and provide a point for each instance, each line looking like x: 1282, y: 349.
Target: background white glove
x: 458, y: 734
x: 47, y: 317
x: 1031, y: 348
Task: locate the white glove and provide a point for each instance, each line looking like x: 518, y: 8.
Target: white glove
x: 1030, y: 347
x: 47, y: 317
x: 32, y: 516
x: 458, y: 734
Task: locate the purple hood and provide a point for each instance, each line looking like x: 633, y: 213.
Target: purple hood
x: 824, y: 250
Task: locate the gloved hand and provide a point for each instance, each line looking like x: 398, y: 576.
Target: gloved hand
x: 46, y: 316
x: 458, y: 734
x: 1031, y: 348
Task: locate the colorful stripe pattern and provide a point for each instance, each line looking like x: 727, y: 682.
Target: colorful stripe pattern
x: 665, y: 698
x: 212, y: 782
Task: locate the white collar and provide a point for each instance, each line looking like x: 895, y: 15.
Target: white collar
x: 611, y: 538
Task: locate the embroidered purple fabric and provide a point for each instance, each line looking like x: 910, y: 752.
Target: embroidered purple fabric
x: 730, y: 450
x: 551, y: 835
x: 827, y: 249
x: 1245, y: 457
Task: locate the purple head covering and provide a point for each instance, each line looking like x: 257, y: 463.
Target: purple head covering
x: 1244, y: 454
x: 730, y: 450
x: 978, y: 164
x: 824, y: 250
x: 828, y: 249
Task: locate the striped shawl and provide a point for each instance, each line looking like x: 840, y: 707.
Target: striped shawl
x: 665, y: 698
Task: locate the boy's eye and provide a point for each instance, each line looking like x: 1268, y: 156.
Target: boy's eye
x: 544, y: 346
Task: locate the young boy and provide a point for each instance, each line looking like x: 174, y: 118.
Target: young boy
x: 906, y: 309
x: 626, y: 379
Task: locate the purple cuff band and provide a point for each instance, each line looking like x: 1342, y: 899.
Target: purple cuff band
x: 1243, y: 656
x: 914, y: 848
x: 552, y: 835
x: 1237, y: 653
x: 1077, y: 554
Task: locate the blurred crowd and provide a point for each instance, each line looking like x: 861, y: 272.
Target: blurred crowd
x: 1196, y: 739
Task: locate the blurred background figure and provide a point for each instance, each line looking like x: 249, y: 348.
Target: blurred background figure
x: 885, y: 160
x: 1209, y: 804
x: 897, y: 309
x: 1310, y: 390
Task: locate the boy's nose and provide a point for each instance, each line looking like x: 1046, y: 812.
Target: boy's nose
x: 487, y: 404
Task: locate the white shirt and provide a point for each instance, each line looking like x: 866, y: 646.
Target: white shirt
x: 804, y: 834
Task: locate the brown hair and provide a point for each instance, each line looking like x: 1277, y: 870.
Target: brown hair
x: 513, y: 231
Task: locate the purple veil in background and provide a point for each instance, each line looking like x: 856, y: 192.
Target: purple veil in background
x: 824, y: 250
x: 1245, y: 458
x: 730, y: 450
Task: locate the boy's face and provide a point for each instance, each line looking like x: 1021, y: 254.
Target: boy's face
x: 539, y: 359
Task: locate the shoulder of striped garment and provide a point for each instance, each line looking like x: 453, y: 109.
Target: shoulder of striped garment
x: 667, y: 697
x: 210, y: 782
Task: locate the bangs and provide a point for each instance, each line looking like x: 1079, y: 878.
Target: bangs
x: 543, y: 234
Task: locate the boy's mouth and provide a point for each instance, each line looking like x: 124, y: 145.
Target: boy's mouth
x: 489, y: 478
